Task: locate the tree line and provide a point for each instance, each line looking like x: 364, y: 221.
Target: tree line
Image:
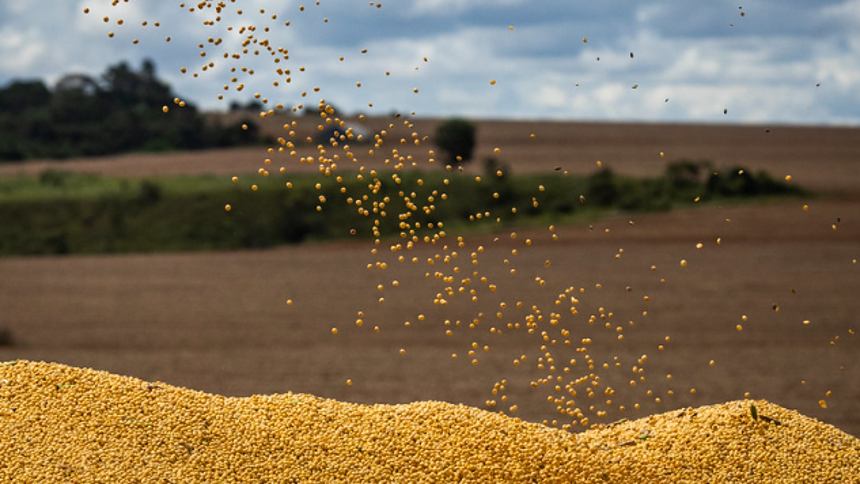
x: 119, y: 111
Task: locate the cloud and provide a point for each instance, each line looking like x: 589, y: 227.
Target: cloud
x: 446, y: 7
x: 20, y: 49
x: 847, y: 12
x: 762, y: 62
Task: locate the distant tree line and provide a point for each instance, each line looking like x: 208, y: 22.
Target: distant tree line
x: 65, y: 213
x: 120, y: 111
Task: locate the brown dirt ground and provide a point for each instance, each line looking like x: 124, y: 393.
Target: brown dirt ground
x: 218, y: 321
x: 820, y: 158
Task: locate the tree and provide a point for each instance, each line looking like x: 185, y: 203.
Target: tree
x: 252, y: 105
x: 456, y: 137
x: 21, y: 95
x: 117, y: 112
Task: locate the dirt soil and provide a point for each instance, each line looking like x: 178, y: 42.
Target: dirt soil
x: 219, y: 322
x: 820, y: 158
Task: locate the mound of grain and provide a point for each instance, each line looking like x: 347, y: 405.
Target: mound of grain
x: 59, y: 423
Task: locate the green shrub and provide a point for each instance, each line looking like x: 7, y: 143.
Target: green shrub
x: 683, y: 174
x: 602, y: 188
x: 54, y: 178
x: 740, y: 182
x: 67, y: 213
x: 456, y: 137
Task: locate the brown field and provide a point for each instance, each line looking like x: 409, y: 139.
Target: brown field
x: 219, y: 322
x: 820, y: 158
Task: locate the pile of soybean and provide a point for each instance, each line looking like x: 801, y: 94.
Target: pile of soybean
x: 59, y: 423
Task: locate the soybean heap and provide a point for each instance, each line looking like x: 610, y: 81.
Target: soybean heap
x: 59, y: 423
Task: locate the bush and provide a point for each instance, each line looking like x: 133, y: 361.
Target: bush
x: 150, y: 193
x: 683, y: 174
x: 69, y: 213
x: 740, y: 182
x: 456, y: 137
x: 54, y: 178
x: 492, y: 167
x: 602, y: 188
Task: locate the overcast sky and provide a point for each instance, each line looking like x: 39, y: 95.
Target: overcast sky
x: 761, y: 60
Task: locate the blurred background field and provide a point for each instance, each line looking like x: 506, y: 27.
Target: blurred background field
x: 68, y: 213
x: 218, y: 321
x: 117, y: 253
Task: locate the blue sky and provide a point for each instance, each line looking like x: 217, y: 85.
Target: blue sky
x: 760, y: 60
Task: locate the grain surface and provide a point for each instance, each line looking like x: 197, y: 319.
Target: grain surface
x: 60, y: 423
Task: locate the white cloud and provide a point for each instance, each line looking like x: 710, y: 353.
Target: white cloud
x: 131, y: 13
x: 550, y: 96
x: 20, y: 50
x: 760, y: 72
x: 845, y: 12
x: 445, y: 7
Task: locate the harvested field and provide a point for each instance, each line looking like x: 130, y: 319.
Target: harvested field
x: 820, y: 158
x: 86, y: 425
x: 218, y: 321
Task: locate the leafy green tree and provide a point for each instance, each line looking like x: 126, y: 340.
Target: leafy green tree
x: 456, y: 137
x: 118, y: 112
x: 22, y: 95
